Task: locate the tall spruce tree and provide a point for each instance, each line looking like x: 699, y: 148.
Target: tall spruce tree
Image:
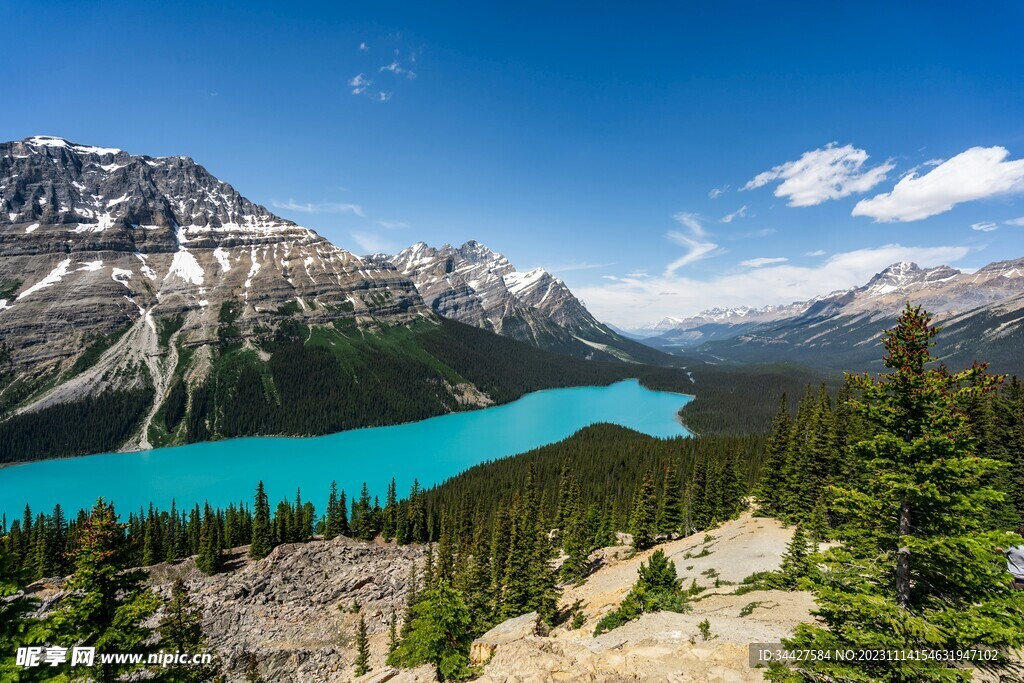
x: 776, y: 454
x: 105, y: 606
x: 362, y: 663
x: 209, y: 560
x: 262, y: 541
x: 670, y: 514
x: 440, y: 634
x: 181, y: 630
x: 919, y: 567
x: 642, y: 522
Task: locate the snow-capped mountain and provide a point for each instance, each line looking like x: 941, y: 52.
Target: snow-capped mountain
x: 981, y: 313
x: 480, y: 287
x: 93, y: 239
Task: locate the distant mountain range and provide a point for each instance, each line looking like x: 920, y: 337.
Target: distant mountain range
x: 151, y: 298
x: 981, y: 313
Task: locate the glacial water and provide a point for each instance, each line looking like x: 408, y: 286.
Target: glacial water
x: 430, y: 450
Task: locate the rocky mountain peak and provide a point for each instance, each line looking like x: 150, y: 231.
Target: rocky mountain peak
x: 52, y: 181
x: 478, y: 286
x: 94, y: 239
x: 1008, y: 269
x: 906, y: 276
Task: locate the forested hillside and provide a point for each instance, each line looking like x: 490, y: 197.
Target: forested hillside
x: 302, y: 380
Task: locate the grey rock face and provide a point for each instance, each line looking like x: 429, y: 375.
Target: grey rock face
x: 480, y: 287
x: 95, y: 239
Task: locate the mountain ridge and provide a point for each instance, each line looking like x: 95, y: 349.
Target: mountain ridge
x: 480, y: 287
x: 841, y: 329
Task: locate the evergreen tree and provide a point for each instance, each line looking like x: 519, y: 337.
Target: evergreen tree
x: 390, y: 517
x: 17, y: 629
x: 441, y: 634
x: 209, y: 560
x: 919, y: 567
x: 411, y: 597
x: 105, y: 606
x: 261, y: 531
x: 515, y: 586
x: 362, y: 663
x: 658, y: 588
x: 701, y: 509
x: 181, y: 630
x: 643, y: 520
x: 776, y: 454
x: 332, y: 527
x: 576, y: 538
x: 543, y: 575
x: 393, y: 634
x: 796, y: 563
x: 670, y: 515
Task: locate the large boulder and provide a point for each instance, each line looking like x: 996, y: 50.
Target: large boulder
x: 509, y: 631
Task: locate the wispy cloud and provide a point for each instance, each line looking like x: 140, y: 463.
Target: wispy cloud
x: 816, y: 252
x: 738, y: 213
x: 363, y: 47
x: 977, y: 173
x: 359, y: 84
x: 984, y: 226
x: 397, y: 69
x: 370, y: 243
x: 319, y: 207
x: 695, y: 251
x: 1016, y: 221
x: 717, y: 192
x: 690, y: 221
x: 632, y: 302
x: 763, y: 261
x: 393, y: 225
x: 696, y: 243
x: 575, y: 265
x: 831, y: 172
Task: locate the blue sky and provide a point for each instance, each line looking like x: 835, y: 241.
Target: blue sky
x: 587, y: 138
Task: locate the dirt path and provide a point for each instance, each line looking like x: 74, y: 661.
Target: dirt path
x: 668, y: 646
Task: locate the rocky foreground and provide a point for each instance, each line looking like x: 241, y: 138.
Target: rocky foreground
x: 291, y: 616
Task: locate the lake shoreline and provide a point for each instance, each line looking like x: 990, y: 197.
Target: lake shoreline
x: 428, y: 450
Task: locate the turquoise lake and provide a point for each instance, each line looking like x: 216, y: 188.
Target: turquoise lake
x: 430, y: 450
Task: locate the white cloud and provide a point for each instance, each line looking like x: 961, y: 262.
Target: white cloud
x: 383, y: 96
x: 399, y: 70
x: 370, y: 243
x: 574, y: 265
x: 984, y: 226
x: 738, y: 213
x: 393, y: 225
x: 717, y: 192
x: 363, y: 47
x: 632, y: 302
x: 320, y: 207
x: 696, y: 250
x: 1016, y: 221
x: 828, y: 173
x: 816, y: 252
x: 359, y: 84
x: 696, y: 243
x: 763, y: 261
x: 976, y: 173
x: 691, y: 221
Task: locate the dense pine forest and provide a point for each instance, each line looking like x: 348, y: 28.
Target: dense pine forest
x: 917, y: 473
